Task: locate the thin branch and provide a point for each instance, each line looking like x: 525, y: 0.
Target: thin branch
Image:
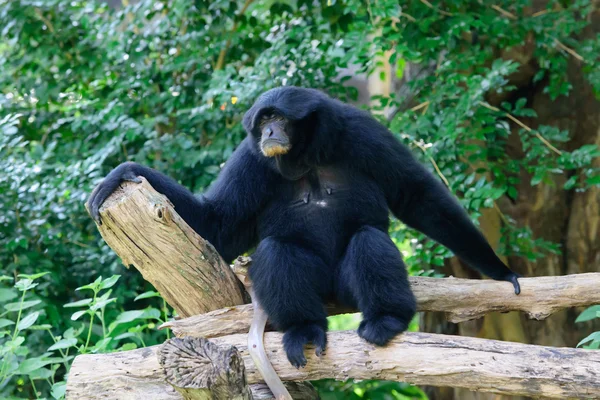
x: 540, y: 13
x: 408, y: 17
x: 221, y: 60
x: 419, y: 106
x: 45, y: 20
x: 537, y: 14
x: 428, y: 4
x: 437, y: 169
x: 504, y: 12
x: 501, y: 214
x: 51, y: 29
x: 569, y: 50
x: 522, y: 125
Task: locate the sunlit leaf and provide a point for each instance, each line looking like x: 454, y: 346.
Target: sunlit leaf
x: 63, y: 344
x: 27, y: 321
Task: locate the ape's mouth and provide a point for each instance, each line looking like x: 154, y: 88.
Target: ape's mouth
x: 274, y: 147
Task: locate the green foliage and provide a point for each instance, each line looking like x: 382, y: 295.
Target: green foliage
x: 84, y: 87
x: 368, y: 389
x: 22, y: 327
x: 592, y: 341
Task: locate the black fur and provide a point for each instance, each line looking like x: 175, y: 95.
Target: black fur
x: 319, y: 217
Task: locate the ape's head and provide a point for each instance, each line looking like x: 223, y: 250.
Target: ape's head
x: 302, y: 124
x: 276, y: 133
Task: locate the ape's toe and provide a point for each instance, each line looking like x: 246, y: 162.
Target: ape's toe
x: 381, y: 329
x: 297, y: 336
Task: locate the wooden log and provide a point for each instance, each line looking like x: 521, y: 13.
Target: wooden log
x: 202, y: 370
x: 460, y: 299
x: 199, y: 369
x: 142, y: 227
x: 418, y: 358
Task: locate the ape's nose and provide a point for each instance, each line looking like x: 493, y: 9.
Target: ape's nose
x: 269, y: 132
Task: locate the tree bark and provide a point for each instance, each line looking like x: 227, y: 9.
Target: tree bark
x: 201, y: 370
x: 418, y: 358
x: 460, y: 299
x: 142, y: 227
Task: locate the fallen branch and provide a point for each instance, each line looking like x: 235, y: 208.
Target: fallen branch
x: 460, y: 299
x: 418, y: 358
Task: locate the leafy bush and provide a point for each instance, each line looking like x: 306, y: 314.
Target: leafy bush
x: 23, y: 355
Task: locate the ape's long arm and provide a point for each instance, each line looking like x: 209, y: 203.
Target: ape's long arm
x: 225, y: 215
x: 420, y: 200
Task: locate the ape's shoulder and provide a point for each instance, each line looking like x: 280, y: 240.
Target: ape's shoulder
x: 362, y: 132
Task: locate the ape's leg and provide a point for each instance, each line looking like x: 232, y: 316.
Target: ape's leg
x: 290, y: 282
x: 373, y: 273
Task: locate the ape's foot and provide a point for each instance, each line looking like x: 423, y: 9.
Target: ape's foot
x: 381, y: 329
x: 297, y: 336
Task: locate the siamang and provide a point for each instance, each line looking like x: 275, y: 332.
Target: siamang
x: 311, y: 186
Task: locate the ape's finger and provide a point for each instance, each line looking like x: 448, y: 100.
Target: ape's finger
x: 130, y: 176
x: 104, y: 190
x: 515, y: 281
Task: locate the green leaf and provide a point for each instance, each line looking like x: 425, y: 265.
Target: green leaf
x: 107, y: 283
x: 42, y: 327
x: 7, y: 294
x: 73, y: 333
x: 58, y: 390
x: 128, y: 316
x: 5, y: 322
x: 91, y: 286
x: 128, y: 346
x: 588, y: 314
x: 25, y: 305
x: 147, y: 295
x: 101, y: 345
x: 592, y: 337
x: 63, y: 344
x: 33, y: 276
x: 28, y: 321
x: 25, y: 284
x: 125, y: 335
x: 78, y: 315
x: 102, y: 303
x: 570, y: 184
x: 79, y: 303
x: 593, y: 180
x: 30, y: 365
x: 538, y: 177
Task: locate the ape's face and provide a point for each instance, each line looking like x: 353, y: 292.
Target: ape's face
x: 275, y: 132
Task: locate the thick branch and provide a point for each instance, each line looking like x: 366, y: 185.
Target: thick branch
x: 461, y: 299
x: 142, y: 227
x: 418, y: 358
x: 201, y: 370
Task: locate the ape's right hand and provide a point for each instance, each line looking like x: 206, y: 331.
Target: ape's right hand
x: 128, y: 171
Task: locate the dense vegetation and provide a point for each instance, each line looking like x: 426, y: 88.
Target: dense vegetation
x: 84, y: 86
